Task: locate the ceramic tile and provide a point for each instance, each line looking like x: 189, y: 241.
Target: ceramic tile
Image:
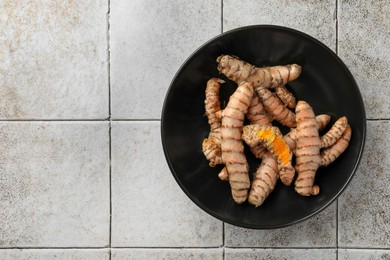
x: 149, y: 42
x: 53, y: 59
x: 59, y: 254
x: 314, y: 17
x: 363, y: 45
x: 54, y: 184
x: 364, y: 211
x: 270, y: 254
x: 156, y: 254
x: 363, y: 254
x: 318, y: 231
x: 148, y: 207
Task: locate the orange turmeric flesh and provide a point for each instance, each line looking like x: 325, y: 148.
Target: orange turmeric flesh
x: 280, y: 147
x: 272, y: 139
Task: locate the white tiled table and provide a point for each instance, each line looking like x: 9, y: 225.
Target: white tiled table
x: 82, y: 172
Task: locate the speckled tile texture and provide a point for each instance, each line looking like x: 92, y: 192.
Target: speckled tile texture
x: 364, y: 209
x: 82, y: 169
x: 148, y: 207
x: 149, y: 41
x: 275, y: 254
x: 168, y: 254
x: 363, y: 44
x: 315, y: 17
x: 54, y: 184
x: 53, y: 59
x: 58, y: 254
x: 318, y: 231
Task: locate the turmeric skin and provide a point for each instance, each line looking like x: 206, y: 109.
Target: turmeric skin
x: 286, y: 96
x: 276, y: 108
x: 267, y: 77
x: 334, y: 133
x: 231, y: 145
x: 211, y: 146
x: 258, y: 115
x: 328, y: 155
x: 308, y: 157
x: 290, y: 137
x: 264, y: 180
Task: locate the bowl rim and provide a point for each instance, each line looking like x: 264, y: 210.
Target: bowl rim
x: 281, y: 29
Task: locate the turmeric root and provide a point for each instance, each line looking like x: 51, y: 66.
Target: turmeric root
x: 286, y: 96
x: 308, y: 157
x: 290, y: 137
x: 223, y: 174
x: 330, y: 154
x: 211, y: 146
x: 264, y: 180
x: 276, y: 108
x: 272, y: 139
x: 257, y: 115
x: 231, y: 145
x: 268, y: 77
x: 334, y: 133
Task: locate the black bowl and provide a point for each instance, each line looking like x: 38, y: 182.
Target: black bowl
x: 325, y: 83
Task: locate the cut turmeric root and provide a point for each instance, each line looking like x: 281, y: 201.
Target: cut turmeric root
x: 272, y: 139
x: 231, y: 145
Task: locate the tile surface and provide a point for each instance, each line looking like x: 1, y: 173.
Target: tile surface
x: 54, y: 184
x: 363, y: 254
x: 58, y: 254
x: 157, y: 254
x: 53, y: 59
x: 363, y: 45
x: 318, y: 231
x: 148, y: 207
x: 316, y: 18
x: 149, y: 42
x: 274, y: 254
x: 364, y: 209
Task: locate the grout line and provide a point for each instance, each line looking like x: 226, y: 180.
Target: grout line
x: 78, y: 120
x: 110, y: 125
x: 109, y: 61
x: 221, y: 16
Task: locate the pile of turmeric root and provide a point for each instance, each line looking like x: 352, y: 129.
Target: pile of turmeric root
x: 260, y: 99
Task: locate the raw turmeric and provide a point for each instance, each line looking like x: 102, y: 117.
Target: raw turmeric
x: 308, y: 157
x: 286, y: 96
x: 276, y: 108
x: 290, y: 137
x: 330, y: 154
x: 334, y: 133
x: 211, y: 146
x: 264, y: 180
x: 257, y: 115
x: 267, y: 77
x: 231, y: 145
